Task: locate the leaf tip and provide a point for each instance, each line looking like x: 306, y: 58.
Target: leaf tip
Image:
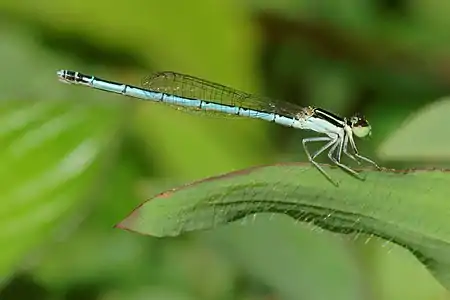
x: 129, y: 222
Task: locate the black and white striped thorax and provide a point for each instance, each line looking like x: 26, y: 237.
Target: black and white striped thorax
x: 357, y: 124
x: 329, y: 117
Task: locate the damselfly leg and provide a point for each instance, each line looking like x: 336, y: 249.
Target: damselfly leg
x: 345, y: 150
x: 325, y: 147
x: 355, y: 150
x: 339, y: 164
x: 368, y: 160
x: 336, y: 146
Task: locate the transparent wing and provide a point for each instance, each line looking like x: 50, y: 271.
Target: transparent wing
x: 195, y: 88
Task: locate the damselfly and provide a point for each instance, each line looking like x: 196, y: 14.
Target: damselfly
x: 192, y: 93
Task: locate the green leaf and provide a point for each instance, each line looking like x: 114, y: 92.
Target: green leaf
x: 424, y: 136
x: 51, y: 155
x: 408, y: 208
x: 300, y: 261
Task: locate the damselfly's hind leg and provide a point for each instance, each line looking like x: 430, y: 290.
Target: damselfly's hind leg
x: 341, y: 165
x: 325, y: 147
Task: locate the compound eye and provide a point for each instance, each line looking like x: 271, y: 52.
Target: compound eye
x: 360, y: 126
x: 362, y: 131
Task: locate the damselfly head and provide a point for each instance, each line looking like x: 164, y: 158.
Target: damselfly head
x: 360, y: 126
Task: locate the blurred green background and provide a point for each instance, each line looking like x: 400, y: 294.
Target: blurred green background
x: 74, y: 161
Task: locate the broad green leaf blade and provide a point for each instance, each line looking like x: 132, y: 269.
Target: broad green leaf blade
x: 408, y: 208
x: 50, y: 160
x: 291, y: 259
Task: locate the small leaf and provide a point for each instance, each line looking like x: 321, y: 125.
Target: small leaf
x: 424, y: 136
x: 409, y: 208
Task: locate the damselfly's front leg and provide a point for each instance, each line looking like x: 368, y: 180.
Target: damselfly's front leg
x: 353, y: 145
x: 345, y: 150
x: 341, y: 165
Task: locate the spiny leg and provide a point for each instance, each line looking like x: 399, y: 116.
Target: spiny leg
x: 339, y: 149
x: 330, y: 155
x: 353, y: 145
x: 311, y: 158
x: 368, y: 160
x: 345, y: 150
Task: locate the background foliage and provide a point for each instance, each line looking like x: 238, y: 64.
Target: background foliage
x: 74, y: 162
